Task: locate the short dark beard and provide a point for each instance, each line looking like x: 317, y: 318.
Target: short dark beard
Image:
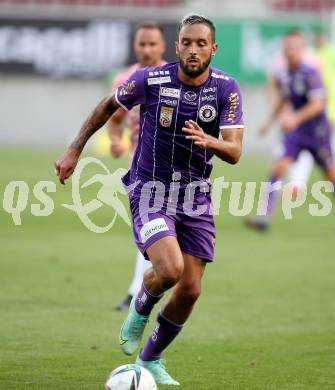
x: 193, y: 73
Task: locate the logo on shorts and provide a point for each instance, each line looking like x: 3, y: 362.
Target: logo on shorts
x: 207, y: 113
x: 151, y: 228
x: 190, y: 96
x: 170, y: 92
x: 165, y: 117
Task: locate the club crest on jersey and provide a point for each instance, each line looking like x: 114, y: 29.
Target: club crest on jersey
x: 165, y: 117
x: 190, y: 96
x: 207, y: 113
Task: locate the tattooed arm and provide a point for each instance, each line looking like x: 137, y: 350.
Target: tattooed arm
x: 66, y: 164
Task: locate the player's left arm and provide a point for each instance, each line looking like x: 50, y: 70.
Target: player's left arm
x: 231, y: 125
x: 228, y: 149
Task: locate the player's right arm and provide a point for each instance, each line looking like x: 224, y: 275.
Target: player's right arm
x: 129, y: 94
x: 277, y: 108
x: 66, y: 163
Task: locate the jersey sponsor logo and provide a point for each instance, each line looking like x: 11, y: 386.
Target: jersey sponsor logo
x: 169, y: 102
x: 153, y: 227
x: 207, y: 113
x: 165, y: 117
x: 190, y: 103
x: 190, y: 96
x: 159, y: 80
x: 170, y: 92
x: 209, y: 89
x: 208, y: 98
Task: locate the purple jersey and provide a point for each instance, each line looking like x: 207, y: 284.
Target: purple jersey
x: 166, y: 103
x: 299, y: 87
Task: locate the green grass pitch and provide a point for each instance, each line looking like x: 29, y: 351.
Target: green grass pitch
x: 265, y: 320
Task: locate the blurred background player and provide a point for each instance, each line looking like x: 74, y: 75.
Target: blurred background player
x: 301, y: 170
x: 326, y: 55
x: 149, y: 47
x: 306, y: 126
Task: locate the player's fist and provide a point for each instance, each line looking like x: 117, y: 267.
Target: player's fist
x: 117, y: 149
x: 289, y: 122
x: 263, y: 130
x: 66, y: 164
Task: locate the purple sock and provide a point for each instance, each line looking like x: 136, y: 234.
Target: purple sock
x: 164, y: 333
x: 273, y: 197
x: 145, y: 301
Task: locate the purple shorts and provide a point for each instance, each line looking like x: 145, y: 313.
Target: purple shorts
x: 195, y: 234
x: 320, y: 148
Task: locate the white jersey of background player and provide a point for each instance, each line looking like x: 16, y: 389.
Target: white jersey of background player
x: 301, y: 170
x: 149, y: 46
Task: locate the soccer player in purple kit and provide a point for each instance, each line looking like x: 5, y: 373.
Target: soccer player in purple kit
x: 306, y: 127
x: 185, y: 106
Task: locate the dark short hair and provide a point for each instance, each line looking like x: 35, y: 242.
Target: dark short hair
x: 191, y: 19
x: 150, y: 25
x: 294, y: 32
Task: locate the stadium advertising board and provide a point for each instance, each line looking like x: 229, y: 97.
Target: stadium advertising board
x: 63, y: 48
x: 94, y: 48
x: 252, y: 45
x: 68, y: 48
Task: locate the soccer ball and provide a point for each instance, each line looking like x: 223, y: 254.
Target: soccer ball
x: 130, y: 377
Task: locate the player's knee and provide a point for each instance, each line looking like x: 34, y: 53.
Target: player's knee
x: 169, y: 275
x: 278, y: 170
x: 189, y: 294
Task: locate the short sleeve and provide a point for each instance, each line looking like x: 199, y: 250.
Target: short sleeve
x: 232, y: 113
x: 315, y: 87
x: 132, y: 92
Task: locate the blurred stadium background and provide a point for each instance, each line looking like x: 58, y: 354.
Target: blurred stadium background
x: 57, y: 57
x: 266, y: 317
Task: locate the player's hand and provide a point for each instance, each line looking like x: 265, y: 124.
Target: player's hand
x: 289, y: 122
x: 66, y: 164
x: 196, y: 134
x: 263, y: 130
x: 117, y: 150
